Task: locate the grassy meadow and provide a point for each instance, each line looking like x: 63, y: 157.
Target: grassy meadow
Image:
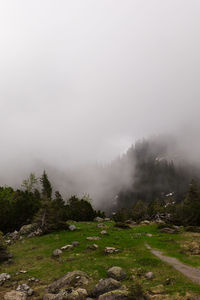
x: 35, y: 256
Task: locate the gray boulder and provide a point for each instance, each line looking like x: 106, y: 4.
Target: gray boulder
x: 116, y: 273
x: 92, y: 247
x: 168, y: 230
x: 67, y: 247
x: 98, y: 219
x: 15, y: 295
x: 106, y: 285
x: 149, y: 275
x: 115, y: 295
x: 104, y: 232
x: 93, y: 238
x: 26, y: 229
x: 4, y: 277
x: 78, y: 294
x: 75, y: 244
x: 110, y: 250
x: 57, y: 252
x: 71, y: 279
x: 72, y: 227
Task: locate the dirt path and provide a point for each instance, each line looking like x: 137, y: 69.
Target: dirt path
x: 190, y: 272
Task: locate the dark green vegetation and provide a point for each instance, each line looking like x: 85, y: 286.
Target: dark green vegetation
x: 36, y: 203
x: 156, y: 172
x: 34, y: 255
x: 186, y: 212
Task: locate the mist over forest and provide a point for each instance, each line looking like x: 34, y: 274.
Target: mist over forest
x: 101, y: 95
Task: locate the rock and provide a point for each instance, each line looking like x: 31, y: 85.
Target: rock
x: 107, y: 219
x: 110, y: 250
x: 168, y: 230
x: 114, y: 295
x: 93, y: 238
x: 33, y: 279
x: 145, y: 222
x: 30, y: 292
x: 98, y: 219
x: 116, y: 273
x: 67, y: 247
x: 149, y: 234
x: 101, y: 225
x: 71, y: 279
x: 23, y: 271
x: 37, y: 232
x: 70, y: 294
x: 75, y: 244
x: 104, y: 232
x: 15, y: 295
x: 72, y: 227
x: 23, y: 287
x: 92, y: 247
x: 106, y: 285
x: 149, y: 275
x: 4, y: 277
x: 57, y: 252
x: 26, y: 229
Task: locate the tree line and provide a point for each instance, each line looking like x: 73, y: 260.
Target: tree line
x: 36, y: 203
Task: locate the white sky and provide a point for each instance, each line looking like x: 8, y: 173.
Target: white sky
x: 81, y: 80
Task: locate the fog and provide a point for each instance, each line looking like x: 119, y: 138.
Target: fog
x: 81, y: 81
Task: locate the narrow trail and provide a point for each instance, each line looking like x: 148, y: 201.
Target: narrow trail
x: 190, y: 272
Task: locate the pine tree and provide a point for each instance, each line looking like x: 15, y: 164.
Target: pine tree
x: 46, y: 186
x: 191, y: 205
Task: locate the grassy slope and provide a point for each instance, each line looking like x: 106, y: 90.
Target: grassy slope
x: 34, y: 255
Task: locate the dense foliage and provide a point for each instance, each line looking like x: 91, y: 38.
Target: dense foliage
x: 39, y: 207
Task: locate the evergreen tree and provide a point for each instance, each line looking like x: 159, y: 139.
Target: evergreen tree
x: 191, y: 205
x: 46, y: 186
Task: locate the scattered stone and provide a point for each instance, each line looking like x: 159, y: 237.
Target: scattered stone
x: 106, y: 285
x: 23, y: 271
x: 92, y: 247
x: 4, y: 277
x: 69, y: 294
x: 23, y: 287
x: 71, y: 279
x: 104, y: 232
x: 8, y: 242
x: 110, y: 250
x: 72, y: 227
x: 115, y: 295
x: 149, y: 275
x: 75, y: 244
x: 15, y: 295
x: 149, y: 234
x: 101, y: 225
x: 67, y: 247
x: 107, y: 219
x: 26, y: 229
x: 33, y: 279
x: 116, y: 273
x: 168, y: 230
x: 93, y: 238
x: 37, y: 232
x: 57, y: 252
x: 145, y: 222
x: 98, y: 219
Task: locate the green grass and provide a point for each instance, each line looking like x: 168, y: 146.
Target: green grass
x: 34, y: 255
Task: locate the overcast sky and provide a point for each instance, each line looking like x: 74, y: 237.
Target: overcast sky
x: 81, y: 80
